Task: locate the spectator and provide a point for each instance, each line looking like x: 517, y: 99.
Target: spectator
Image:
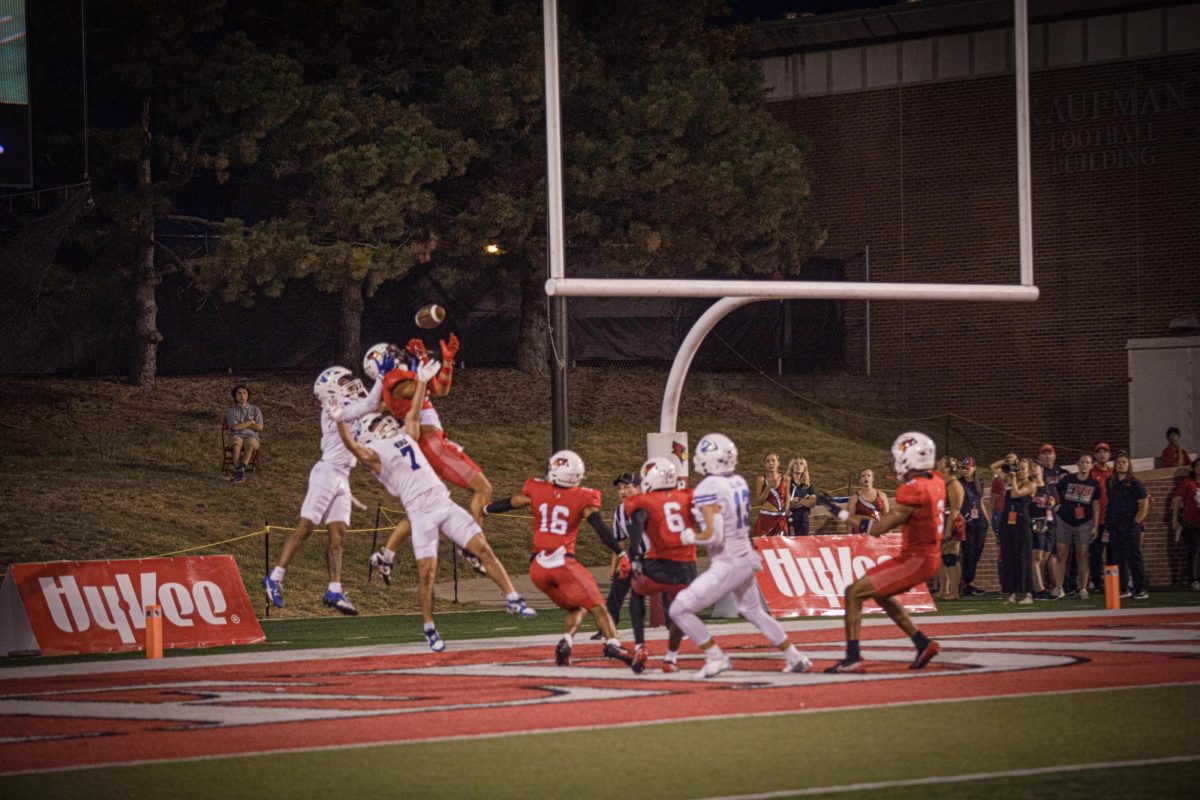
x: 999, y: 488
x: 245, y: 421
x: 950, y: 572
x: 801, y: 497
x: 868, y: 501
x: 1041, y: 522
x: 618, y: 588
x: 1128, y: 505
x: 1185, y: 518
x: 1015, y: 535
x: 976, y: 524
x: 771, y: 490
x: 1077, y: 524
x: 1173, y: 455
x: 1050, y: 473
x: 1101, y: 471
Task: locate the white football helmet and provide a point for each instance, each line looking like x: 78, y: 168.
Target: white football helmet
x: 565, y: 469
x: 338, y: 386
x: 716, y: 454
x: 380, y: 359
x: 374, y: 427
x: 659, y: 473
x: 911, y: 451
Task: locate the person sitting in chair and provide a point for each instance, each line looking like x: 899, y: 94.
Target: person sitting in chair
x: 245, y: 421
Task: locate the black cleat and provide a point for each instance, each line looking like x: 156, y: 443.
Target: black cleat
x: 562, y: 653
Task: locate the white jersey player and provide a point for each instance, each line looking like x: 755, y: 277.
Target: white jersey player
x: 328, y: 499
x: 395, y: 457
x: 724, y: 500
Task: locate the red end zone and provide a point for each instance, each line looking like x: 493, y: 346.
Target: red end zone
x: 107, y: 713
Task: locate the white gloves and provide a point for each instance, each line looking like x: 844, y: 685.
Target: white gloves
x: 688, y: 537
x: 426, y: 371
x: 336, y: 412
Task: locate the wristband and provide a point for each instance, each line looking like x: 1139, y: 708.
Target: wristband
x: 865, y: 525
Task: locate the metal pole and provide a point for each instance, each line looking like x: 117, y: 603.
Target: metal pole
x: 374, y: 536
x: 779, y: 290
x: 454, y: 566
x: 867, y: 279
x: 1024, y: 180
x: 560, y: 422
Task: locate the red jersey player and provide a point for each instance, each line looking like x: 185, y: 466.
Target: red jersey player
x: 920, y: 506
x: 398, y: 370
x: 661, y: 562
x: 559, y: 505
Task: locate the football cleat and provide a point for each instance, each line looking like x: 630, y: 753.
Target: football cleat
x: 274, y: 591
x: 670, y: 666
x: 434, y: 640
x: 925, y: 655
x: 381, y: 565
x: 597, y: 636
x: 339, y: 602
x: 802, y: 664
x: 615, y: 651
x: 846, y: 666
x: 474, y: 563
x: 639, y: 660
x: 562, y: 653
x: 715, y: 666
x: 519, y: 608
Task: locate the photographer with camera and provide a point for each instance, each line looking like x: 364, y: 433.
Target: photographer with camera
x: 1015, y: 534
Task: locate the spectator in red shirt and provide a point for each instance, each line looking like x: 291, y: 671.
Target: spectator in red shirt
x: 1173, y: 455
x: 1101, y: 471
x: 1185, y: 516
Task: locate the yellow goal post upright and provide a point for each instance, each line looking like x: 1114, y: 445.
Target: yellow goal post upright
x: 733, y: 294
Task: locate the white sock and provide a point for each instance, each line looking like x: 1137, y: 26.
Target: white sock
x: 388, y: 555
x: 714, y: 652
x: 793, y: 655
x: 429, y: 626
x: 335, y: 587
x: 277, y: 574
x: 512, y: 597
x: 569, y: 638
x: 672, y: 656
x: 614, y: 642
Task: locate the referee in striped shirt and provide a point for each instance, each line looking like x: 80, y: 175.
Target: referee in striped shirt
x: 618, y: 590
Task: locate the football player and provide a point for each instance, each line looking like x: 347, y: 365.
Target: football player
x: 398, y: 371
x: 397, y: 461
x: 723, y: 500
x: 920, y: 507
x: 328, y: 499
x: 661, y: 563
x: 559, y: 504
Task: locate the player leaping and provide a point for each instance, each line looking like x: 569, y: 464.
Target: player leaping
x: 396, y: 460
x: 397, y: 368
x: 559, y: 505
x: 920, y: 505
x: 724, y: 500
x: 328, y: 499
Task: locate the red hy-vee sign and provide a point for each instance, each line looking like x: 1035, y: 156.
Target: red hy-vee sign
x: 67, y: 607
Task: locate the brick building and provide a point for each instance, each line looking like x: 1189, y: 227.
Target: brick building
x: 909, y: 110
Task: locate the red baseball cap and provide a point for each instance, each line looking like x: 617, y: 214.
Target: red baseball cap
x: 1102, y: 446
x: 1047, y: 448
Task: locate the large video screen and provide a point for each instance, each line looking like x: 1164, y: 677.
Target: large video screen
x: 15, y: 160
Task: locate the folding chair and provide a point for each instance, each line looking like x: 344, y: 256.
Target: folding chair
x: 227, y: 465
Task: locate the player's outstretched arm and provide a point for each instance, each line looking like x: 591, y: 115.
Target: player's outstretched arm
x: 412, y: 420
x: 364, y: 454
x: 714, y: 526
x: 592, y: 515
x: 518, y: 500
x: 878, y: 527
x: 360, y: 408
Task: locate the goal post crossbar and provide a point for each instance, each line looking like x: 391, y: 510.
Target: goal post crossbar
x: 787, y: 290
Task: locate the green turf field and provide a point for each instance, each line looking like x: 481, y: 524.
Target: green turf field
x: 716, y: 758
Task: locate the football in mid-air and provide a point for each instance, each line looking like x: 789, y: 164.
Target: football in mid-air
x: 430, y: 316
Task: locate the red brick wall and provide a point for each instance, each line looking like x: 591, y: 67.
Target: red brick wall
x: 926, y: 176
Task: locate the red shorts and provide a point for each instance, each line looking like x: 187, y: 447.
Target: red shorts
x: 448, y: 459
x: 901, y: 574
x: 770, y: 525
x: 570, y: 586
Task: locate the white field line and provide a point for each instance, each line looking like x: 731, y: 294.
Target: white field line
x: 582, y: 728
x: 964, y: 778
x: 546, y: 639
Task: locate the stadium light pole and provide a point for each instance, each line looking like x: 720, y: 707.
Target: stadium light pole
x: 559, y: 420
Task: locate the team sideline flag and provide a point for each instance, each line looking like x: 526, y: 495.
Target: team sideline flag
x: 70, y: 607
x: 808, y: 575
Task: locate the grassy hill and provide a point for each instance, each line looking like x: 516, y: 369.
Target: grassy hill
x: 96, y: 469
